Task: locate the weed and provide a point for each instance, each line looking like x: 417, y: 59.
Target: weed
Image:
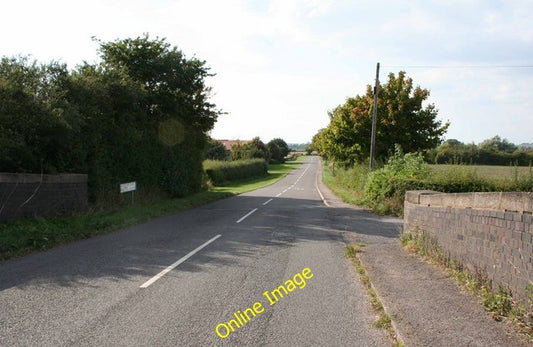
x: 498, y: 302
x: 383, y: 321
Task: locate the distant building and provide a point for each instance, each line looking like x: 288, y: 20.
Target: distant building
x: 228, y: 143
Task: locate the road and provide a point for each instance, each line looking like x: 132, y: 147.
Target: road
x: 174, y: 280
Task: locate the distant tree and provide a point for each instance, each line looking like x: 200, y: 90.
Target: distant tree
x: 283, y: 146
x: 450, y: 152
x: 275, y: 153
x: 259, y: 149
x: 252, y: 149
x: 278, y: 150
x: 497, y: 144
x: 401, y: 120
x: 215, y: 150
x: 239, y: 151
x: 317, y: 144
x: 493, y: 151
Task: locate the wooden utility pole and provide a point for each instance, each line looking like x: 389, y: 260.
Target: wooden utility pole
x: 374, y: 120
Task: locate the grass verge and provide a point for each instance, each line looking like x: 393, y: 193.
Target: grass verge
x: 383, y: 321
x: 499, y: 302
x: 25, y: 236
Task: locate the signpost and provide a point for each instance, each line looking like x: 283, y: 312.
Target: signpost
x: 128, y: 187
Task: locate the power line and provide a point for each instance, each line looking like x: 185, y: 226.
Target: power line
x: 460, y: 66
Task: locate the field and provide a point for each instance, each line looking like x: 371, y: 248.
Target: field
x: 384, y: 193
x: 496, y: 173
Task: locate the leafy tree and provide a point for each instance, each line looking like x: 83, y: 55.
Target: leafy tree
x: 141, y: 114
x: 283, y: 146
x: 250, y: 150
x: 401, y: 120
x: 258, y: 149
x: 175, y: 105
x: 175, y: 85
x: 493, y: 151
x: 215, y: 150
x: 317, y: 144
x: 276, y: 155
x: 34, y: 121
x: 278, y: 150
x: 497, y: 144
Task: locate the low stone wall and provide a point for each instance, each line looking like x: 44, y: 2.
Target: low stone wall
x: 491, y: 232
x: 30, y: 195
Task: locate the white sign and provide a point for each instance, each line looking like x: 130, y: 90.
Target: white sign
x: 128, y: 187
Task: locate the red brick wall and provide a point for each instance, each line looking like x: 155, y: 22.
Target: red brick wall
x: 497, y: 241
x: 30, y: 195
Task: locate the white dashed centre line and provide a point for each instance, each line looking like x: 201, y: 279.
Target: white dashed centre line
x: 181, y: 260
x: 246, y: 215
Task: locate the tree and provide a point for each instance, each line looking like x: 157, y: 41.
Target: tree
x: 35, y: 122
x: 175, y: 104
x: 283, y: 146
x: 278, y: 150
x: 258, y: 149
x: 215, y: 150
x: 496, y: 144
x: 401, y: 120
x: 250, y: 150
x: 140, y: 114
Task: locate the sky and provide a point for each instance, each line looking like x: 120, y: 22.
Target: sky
x: 281, y: 65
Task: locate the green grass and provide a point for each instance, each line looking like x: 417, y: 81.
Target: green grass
x: 383, y: 321
x: 349, y: 184
x: 25, y: 236
x: 490, y: 172
x: 275, y: 173
x: 346, y: 184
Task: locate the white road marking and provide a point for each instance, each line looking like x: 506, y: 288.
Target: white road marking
x: 246, y: 215
x: 320, y: 193
x: 266, y: 202
x: 181, y: 260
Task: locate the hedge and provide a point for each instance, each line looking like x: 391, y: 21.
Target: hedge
x: 220, y: 172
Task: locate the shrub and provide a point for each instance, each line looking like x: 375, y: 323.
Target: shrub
x: 220, y: 172
x: 386, y: 182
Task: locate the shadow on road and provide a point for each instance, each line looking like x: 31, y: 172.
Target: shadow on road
x: 142, y: 251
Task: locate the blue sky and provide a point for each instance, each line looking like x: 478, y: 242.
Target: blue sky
x: 281, y: 65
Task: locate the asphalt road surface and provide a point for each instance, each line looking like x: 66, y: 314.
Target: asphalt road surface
x: 206, y: 276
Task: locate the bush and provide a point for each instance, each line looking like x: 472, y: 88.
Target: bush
x: 383, y: 183
x: 220, y: 172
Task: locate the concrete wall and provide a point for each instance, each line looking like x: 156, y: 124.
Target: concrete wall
x: 29, y: 195
x: 492, y: 232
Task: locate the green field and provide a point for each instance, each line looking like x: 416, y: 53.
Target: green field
x: 489, y: 172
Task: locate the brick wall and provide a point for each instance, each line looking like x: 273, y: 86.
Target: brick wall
x: 29, y: 195
x: 491, y: 232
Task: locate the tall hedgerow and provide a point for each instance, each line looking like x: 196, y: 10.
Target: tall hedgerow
x: 141, y: 114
